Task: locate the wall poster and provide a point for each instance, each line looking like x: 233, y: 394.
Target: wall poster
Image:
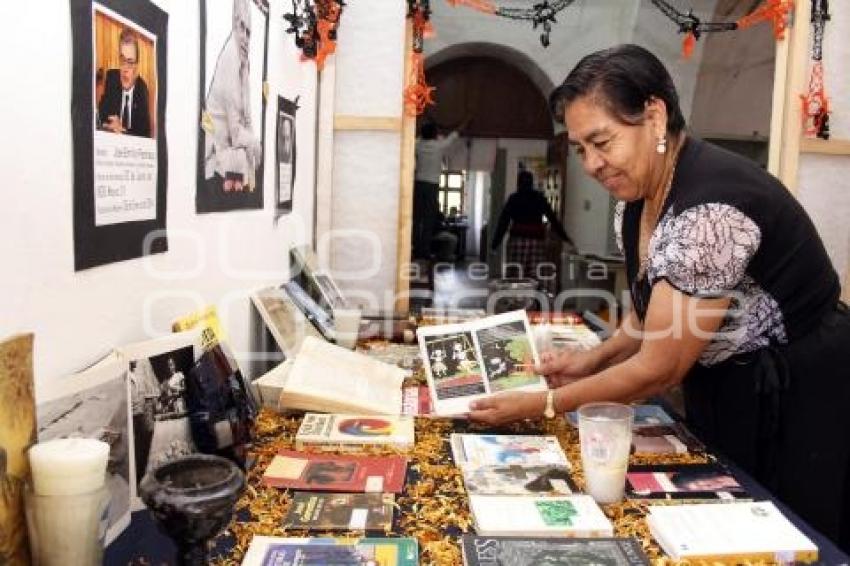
x: 233, y: 90
x: 286, y: 152
x: 118, y: 124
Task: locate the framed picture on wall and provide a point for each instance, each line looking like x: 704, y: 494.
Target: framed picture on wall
x: 286, y: 152
x: 233, y: 90
x: 118, y: 124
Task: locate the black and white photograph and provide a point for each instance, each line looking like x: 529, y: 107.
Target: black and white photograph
x: 231, y: 128
x: 286, y: 151
x: 118, y: 121
x: 94, y: 404
x: 160, y: 419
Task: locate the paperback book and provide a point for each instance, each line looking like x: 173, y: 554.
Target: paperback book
x: 477, y: 450
x: 520, y: 551
x: 645, y: 415
x: 731, y: 533
x: 683, y: 482
x: 470, y: 360
x: 566, y: 516
x: 665, y: 439
x: 354, y: 432
x: 332, y: 379
x: 516, y: 479
x: 340, y: 512
x: 331, y: 472
x: 278, y: 551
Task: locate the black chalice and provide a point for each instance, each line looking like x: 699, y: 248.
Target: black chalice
x: 192, y: 499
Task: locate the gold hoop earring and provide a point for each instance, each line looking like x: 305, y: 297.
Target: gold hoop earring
x: 661, y: 147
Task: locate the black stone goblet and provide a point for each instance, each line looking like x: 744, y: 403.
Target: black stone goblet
x: 192, y: 499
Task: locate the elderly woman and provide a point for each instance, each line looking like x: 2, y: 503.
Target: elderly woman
x: 734, y: 295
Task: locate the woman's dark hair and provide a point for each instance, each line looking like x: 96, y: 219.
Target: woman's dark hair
x: 428, y: 131
x: 525, y: 181
x: 623, y: 79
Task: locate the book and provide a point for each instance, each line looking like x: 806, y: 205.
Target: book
x: 471, y: 360
x: 567, y: 516
x: 477, y: 450
x: 279, y: 551
x: 348, y: 432
x: 683, y: 482
x: 416, y: 401
x: 645, y: 415
x: 157, y: 370
x: 331, y: 472
x: 517, y: 479
x: 95, y: 403
x: 665, y: 439
x: 521, y: 551
x: 731, y: 533
x: 340, y: 512
x: 331, y: 379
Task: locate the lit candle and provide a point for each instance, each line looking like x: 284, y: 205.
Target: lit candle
x: 68, y: 466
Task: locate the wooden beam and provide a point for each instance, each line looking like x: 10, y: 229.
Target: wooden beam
x: 795, y: 85
x: 367, y: 123
x: 405, y: 195
x: 829, y: 147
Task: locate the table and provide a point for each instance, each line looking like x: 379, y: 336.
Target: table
x: 433, y: 505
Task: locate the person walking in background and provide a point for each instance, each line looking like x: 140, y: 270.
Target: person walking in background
x: 524, y: 212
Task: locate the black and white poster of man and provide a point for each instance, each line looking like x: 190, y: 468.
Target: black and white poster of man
x: 231, y: 132
x: 118, y: 111
x: 286, y: 149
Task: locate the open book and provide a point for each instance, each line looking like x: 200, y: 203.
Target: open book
x: 331, y: 379
x: 470, y: 360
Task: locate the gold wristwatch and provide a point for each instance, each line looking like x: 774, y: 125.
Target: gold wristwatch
x: 549, y: 411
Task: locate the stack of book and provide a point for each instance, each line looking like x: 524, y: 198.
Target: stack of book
x: 521, y: 485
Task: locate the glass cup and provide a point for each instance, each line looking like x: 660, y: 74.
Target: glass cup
x: 605, y: 435
x: 67, y: 529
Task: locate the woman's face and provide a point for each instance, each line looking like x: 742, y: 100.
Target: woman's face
x: 620, y: 156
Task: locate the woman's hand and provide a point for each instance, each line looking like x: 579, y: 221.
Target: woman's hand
x: 566, y: 366
x: 508, y: 407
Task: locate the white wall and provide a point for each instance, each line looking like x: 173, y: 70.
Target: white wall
x: 212, y: 258
x: 366, y: 164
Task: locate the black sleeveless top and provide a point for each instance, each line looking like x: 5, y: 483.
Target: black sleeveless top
x: 730, y: 229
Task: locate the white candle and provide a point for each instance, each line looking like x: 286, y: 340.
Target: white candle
x: 68, y: 466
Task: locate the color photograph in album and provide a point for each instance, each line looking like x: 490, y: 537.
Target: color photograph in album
x: 454, y: 365
x: 507, y: 354
x: 231, y: 127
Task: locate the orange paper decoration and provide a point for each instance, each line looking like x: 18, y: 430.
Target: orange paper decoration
x: 774, y: 10
x: 419, y: 94
x: 485, y: 6
x: 688, y: 45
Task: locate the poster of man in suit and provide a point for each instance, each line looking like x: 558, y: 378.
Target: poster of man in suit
x: 118, y: 110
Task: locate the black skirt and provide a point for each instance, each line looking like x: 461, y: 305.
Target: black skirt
x: 783, y: 414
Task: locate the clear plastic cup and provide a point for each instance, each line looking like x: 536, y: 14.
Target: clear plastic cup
x: 605, y: 434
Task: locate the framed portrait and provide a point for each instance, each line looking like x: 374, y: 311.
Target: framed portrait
x: 286, y: 154
x: 233, y: 90
x: 118, y: 126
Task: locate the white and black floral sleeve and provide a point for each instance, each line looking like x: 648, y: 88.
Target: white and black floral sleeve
x: 703, y: 250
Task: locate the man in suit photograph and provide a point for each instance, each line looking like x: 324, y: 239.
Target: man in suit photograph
x: 123, y: 108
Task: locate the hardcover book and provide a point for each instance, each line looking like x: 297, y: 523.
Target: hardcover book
x: 331, y: 472
x: 519, y: 551
x: 476, y: 450
x: 354, y: 432
x: 566, y: 516
x: 340, y: 512
x: 278, y: 551
x: 518, y: 479
x: 731, y: 533
x: 683, y: 481
x: 470, y: 360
